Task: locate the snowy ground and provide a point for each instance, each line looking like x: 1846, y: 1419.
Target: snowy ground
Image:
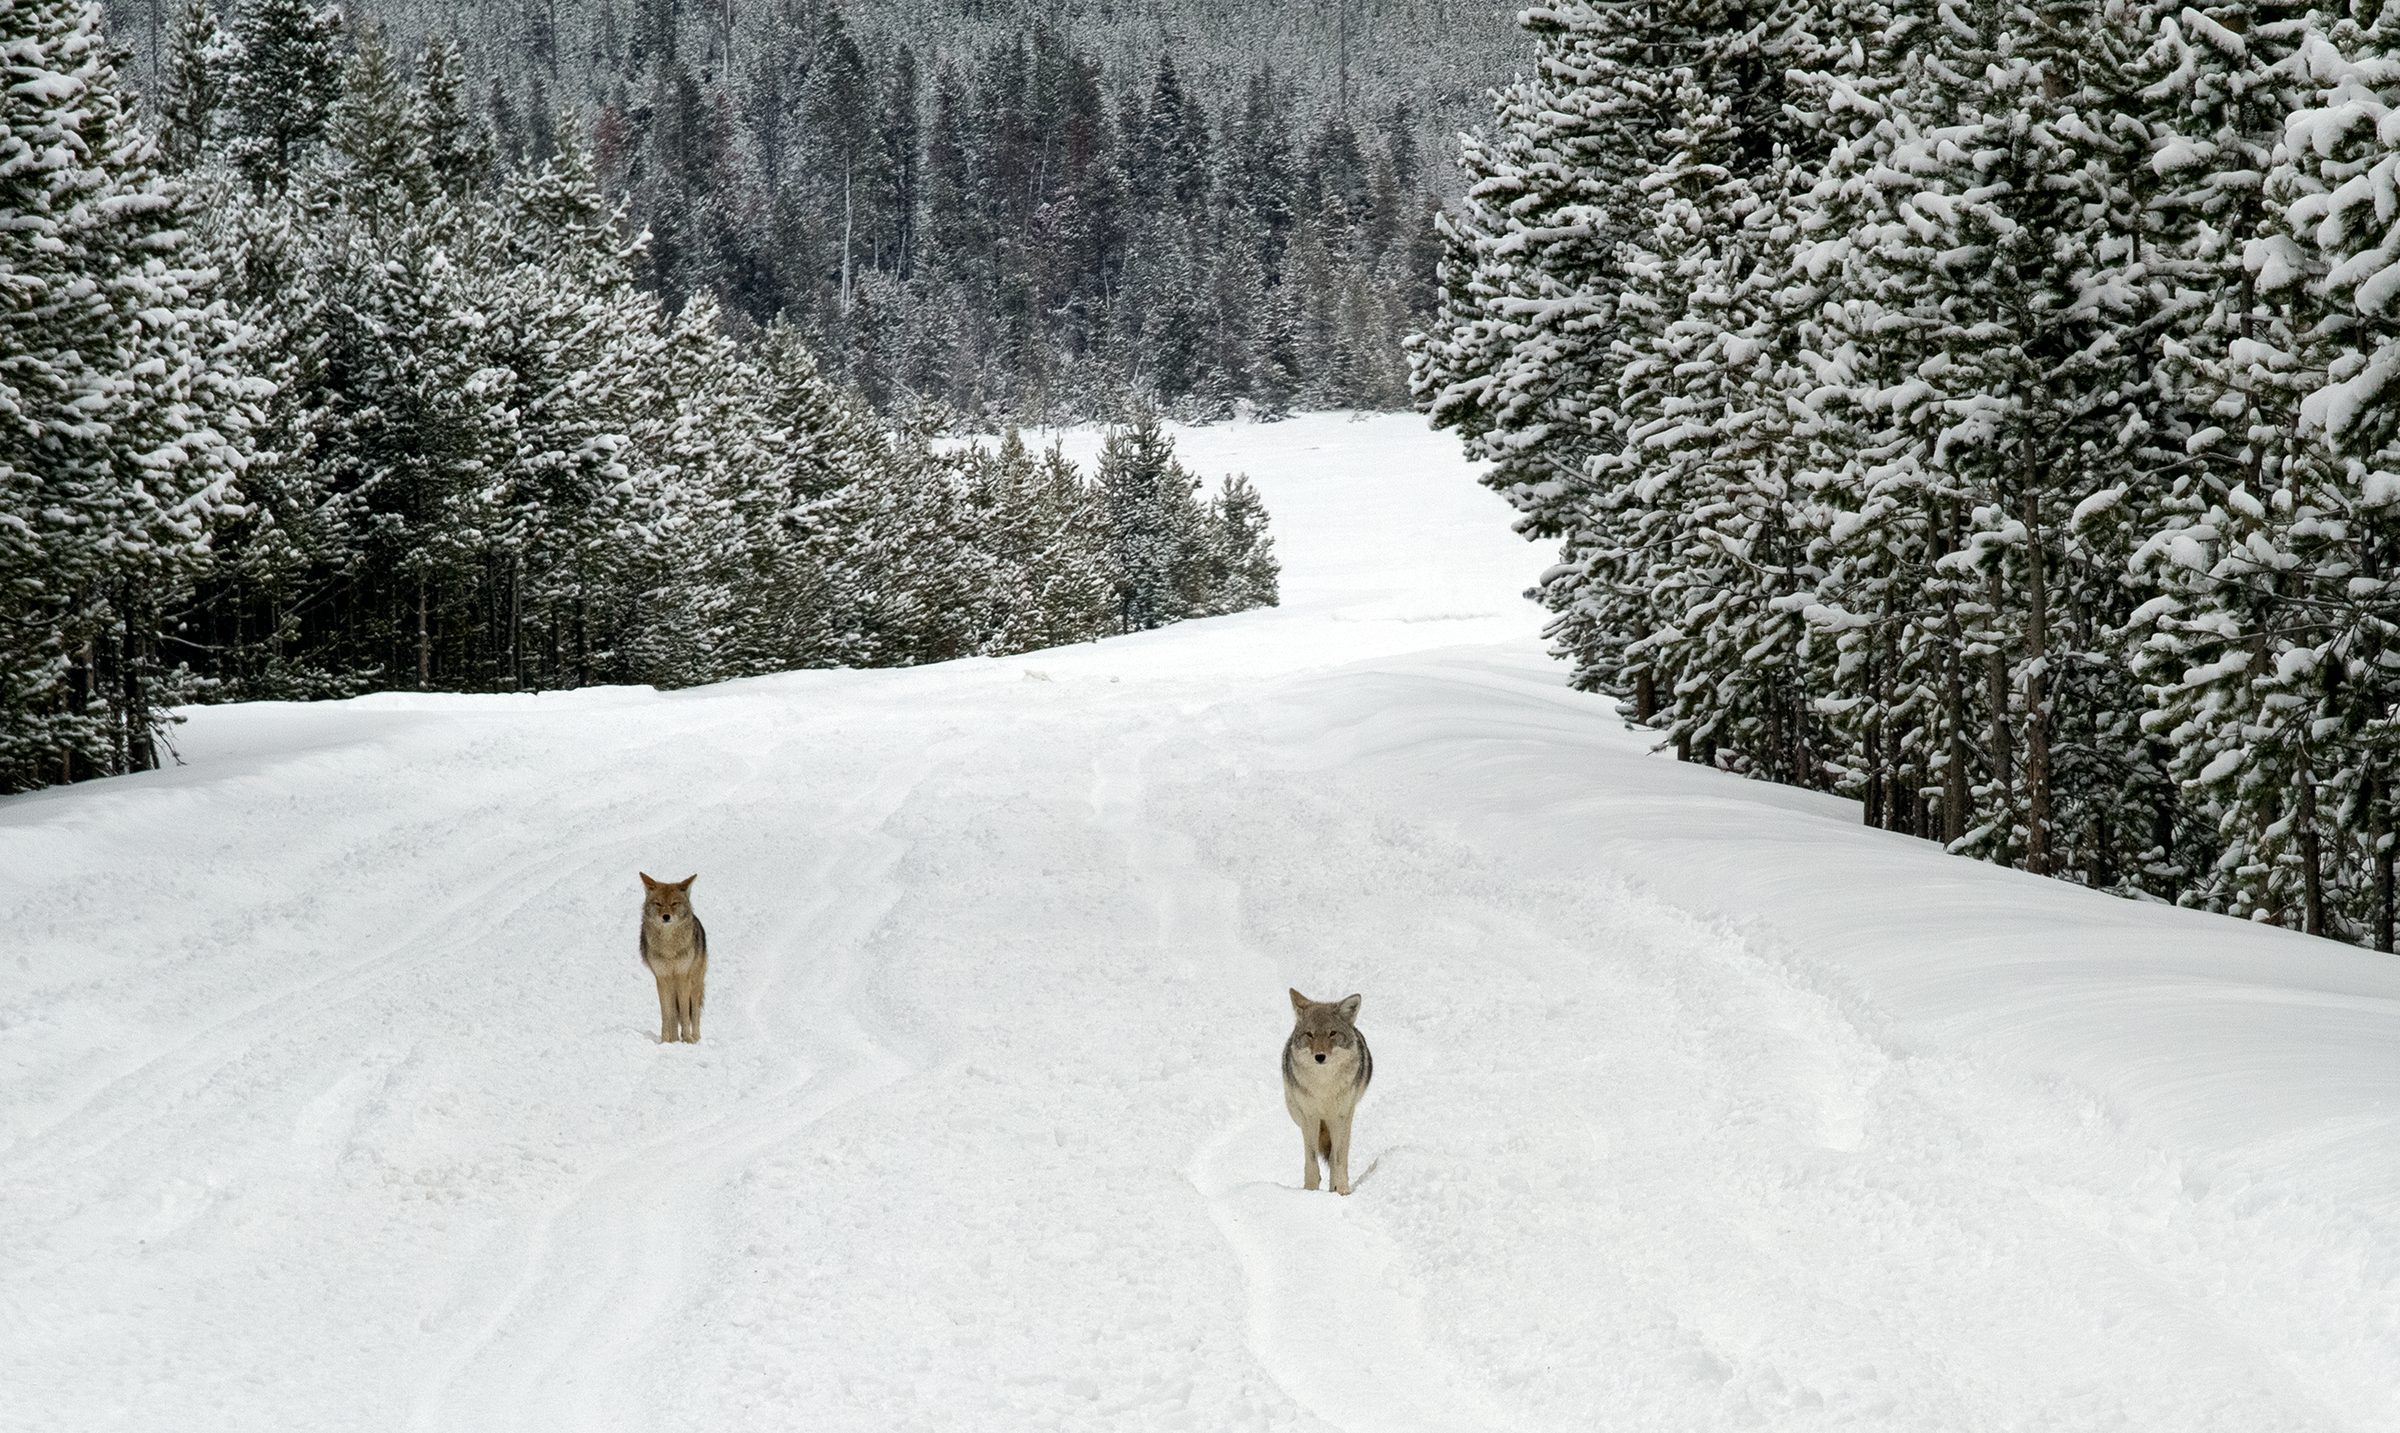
x: 329, y: 1096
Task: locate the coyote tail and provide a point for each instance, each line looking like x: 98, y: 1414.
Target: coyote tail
x: 1324, y: 1140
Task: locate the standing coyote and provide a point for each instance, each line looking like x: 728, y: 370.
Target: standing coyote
x: 675, y: 947
x: 1325, y: 1069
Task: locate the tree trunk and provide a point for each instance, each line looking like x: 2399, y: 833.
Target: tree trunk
x: 847, y: 216
x: 1871, y: 747
x: 1954, y: 693
x: 1996, y: 674
x: 2037, y: 698
x: 1954, y: 778
x: 1888, y: 735
x: 2162, y: 809
x: 2312, y: 877
x: 516, y: 628
x: 424, y: 643
x: 2380, y: 827
x: 126, y: 697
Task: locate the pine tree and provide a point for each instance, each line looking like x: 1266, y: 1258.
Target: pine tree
x: 1069, y: 560
x: 290, y: 543
x: 283, y: 77
x: 457, y: 146
x: 825, y: 458
x: 125, y: 416
x: 1243, y: 572
x: 1154, y: 525
x: 1518, y: 353
x: 567, y: 341
x: 373, y: 168
x: 192, y: 88
x: 1705, y: 468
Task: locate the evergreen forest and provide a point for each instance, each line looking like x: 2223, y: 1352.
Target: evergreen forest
x: 1003, y: 211
x: 1979, y: 408
x: 322, y: 378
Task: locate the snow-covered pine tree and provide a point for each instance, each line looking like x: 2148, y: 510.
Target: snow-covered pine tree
x: 827, y: 458
x: 1993, y: 271
x: 2125, y: 294
x: 1518, y: 359
x: 2209, y: 93
x: 696, y: 443
x: 1051, y: 579
x: 566, y: 347
x: 924, y: 570
x: 1890, y: 672
x: 434, y: 587
x: 123, y: 414
x: 1243, y: 572
x: 282, y: 77
x: 2270, y: 640
x: 1154, y: 524
x: 458, y: 146
x: 192, y: 88
x: 290, y: 544
x: 372, y: 169
x: 1704, y: 466
x: 1005, y: 482
x: 1073, y: 564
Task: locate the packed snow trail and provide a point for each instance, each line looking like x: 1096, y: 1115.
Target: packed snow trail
x: 331, y: 1097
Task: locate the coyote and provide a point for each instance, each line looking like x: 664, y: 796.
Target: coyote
x: 1325, y: 1069
x: 675, y: 947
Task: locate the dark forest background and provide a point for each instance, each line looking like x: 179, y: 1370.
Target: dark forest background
x: 1001, y: 211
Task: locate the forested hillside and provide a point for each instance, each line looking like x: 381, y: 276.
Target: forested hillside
x: 1978, y: 409
x: 314, y: 390
x: 1004, y: 210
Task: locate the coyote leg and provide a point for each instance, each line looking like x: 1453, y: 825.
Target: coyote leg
x: 666, y: 1007
x: 691, y: 1006
x: 1341, y: 1154
x: 1308, y: 1156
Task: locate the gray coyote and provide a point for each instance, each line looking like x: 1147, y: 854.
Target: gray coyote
x: 1325, y: 1069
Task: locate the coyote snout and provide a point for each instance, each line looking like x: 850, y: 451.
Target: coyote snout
x: 1322, y: 1091
x: 675, y: 947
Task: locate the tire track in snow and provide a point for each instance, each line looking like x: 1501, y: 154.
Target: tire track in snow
x: 141, y: 1095
x: 1332, y: 1316
x: 1329, y: 1318
x: 605, y: 1265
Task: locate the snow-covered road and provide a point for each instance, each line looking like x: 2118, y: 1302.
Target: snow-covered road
x: 329, y: 1095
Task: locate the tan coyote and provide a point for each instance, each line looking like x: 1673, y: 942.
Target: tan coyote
x: 1325, y: 1069
x: 675, y: 947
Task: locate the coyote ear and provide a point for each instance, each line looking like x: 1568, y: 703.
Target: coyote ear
x: 1299, y: 1001
x: 686, y: 883
x: 647, y: 883
x: 1350, y: 1008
